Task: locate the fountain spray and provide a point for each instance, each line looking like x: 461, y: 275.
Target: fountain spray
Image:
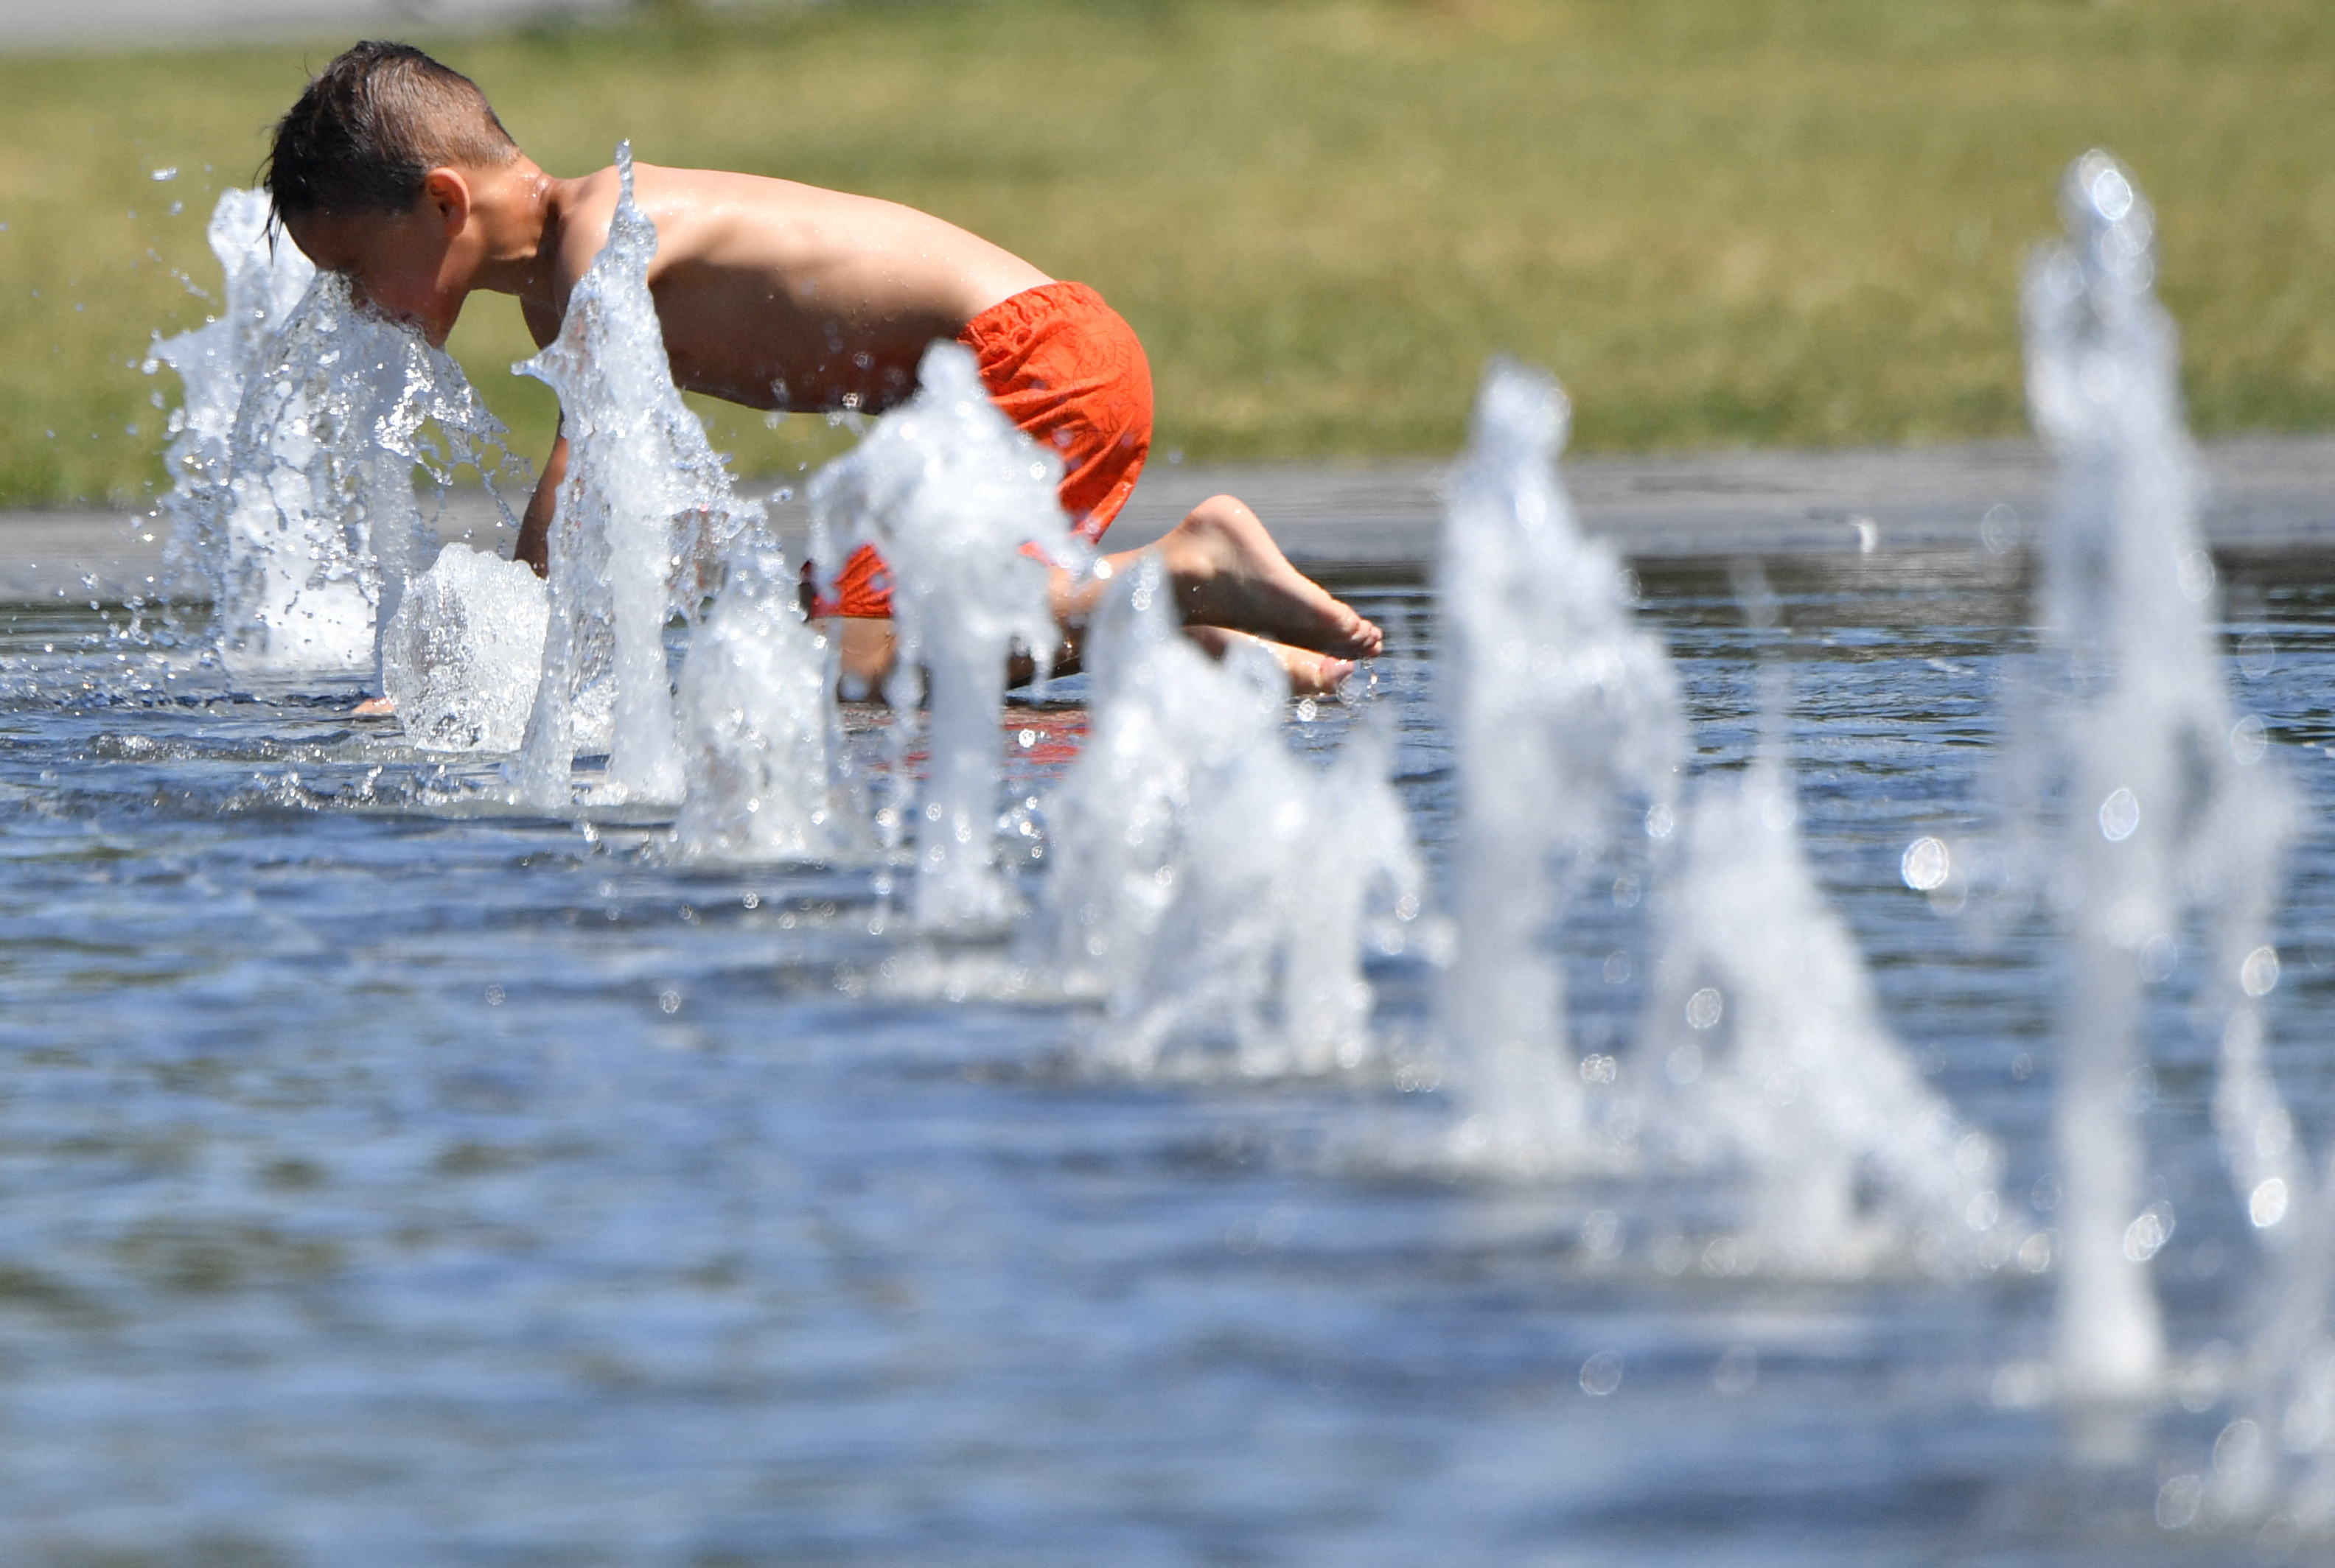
x: 264, y: 283
x: 2166, y: 806
x: 950, y: 493
x: 760, y: 737
x: 1209, y: 882
x: 305, y: 418
x: 1765, y: 1051
x: 1562, y: 706
x: 644, y: 517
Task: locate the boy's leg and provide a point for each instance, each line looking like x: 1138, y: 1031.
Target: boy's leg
x: 866, y: 649
x: 1227, y: 573
x: 1230, y: 580
x: 1070, y: 372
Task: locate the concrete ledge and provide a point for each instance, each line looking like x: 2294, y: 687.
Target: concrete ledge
x: 2264, y: 493
x: 2267, y: 495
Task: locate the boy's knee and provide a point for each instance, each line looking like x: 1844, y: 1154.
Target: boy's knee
x: 1221, y: 509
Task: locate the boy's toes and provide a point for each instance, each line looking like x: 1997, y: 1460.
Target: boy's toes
x: 1320, y: 676
x: 1311, y: 674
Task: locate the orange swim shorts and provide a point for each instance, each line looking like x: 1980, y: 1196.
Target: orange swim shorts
x: 1066, y: 368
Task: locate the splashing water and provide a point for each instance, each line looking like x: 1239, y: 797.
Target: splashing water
x: 1562, y: 706
x: 1210, y: 883
x: 645, y: 516
x: 461, y: 656
x: 264, y: 283
x: 2159, y: 795
x: 1762, y: 1060
x: 296, y: 511
x: 2169, y: 805
x: 1763, y: 1052
x: 950, y: 493
x: 759, y: 730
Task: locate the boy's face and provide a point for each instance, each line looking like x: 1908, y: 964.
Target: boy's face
x: 396, y: 261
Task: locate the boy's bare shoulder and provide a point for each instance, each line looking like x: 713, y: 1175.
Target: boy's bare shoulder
x: 583, y: 225
x: 690, y: 208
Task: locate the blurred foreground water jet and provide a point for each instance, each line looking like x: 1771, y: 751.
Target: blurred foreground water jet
x: 1762, y: 1063
x: 2169, y: 805
x: 644, y: 517
x: 1763, y: 1052
x: 292, y: 504
x: 1213, y: 885
x: 2166, y: 804
x: 1562, y: 709
x: 952, y: 494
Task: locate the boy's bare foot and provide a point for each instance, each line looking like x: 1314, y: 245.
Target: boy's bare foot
x: 1311, y: 674
x: 1228, y: 572
x: 373, y: 708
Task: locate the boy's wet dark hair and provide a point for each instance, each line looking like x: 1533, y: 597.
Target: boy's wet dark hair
x: 371, y: 125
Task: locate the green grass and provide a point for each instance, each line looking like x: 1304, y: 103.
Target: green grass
x: 1718, y: 221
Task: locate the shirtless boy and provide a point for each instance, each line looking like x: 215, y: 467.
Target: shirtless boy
x: 393, y: 170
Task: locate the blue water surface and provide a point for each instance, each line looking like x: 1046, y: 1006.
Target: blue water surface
x: 387, y: 1177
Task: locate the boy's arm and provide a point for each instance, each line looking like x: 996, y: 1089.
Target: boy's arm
x: 534, y: 545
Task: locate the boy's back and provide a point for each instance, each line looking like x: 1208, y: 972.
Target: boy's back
x: 777, y: 294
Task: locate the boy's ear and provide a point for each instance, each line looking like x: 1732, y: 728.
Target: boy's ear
x: 448, y: 194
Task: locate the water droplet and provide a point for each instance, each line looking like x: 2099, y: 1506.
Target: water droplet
x: 2257, y: 655
x: 1601, y: 1374
x: 2177, y: 1501
x: 2112, y: 195
x: 2237, y: 1448
x: 1704, y: 1007
x: 2147, y: 1233
x: 1998, y: 530
x: 2119, y: 816
x: 2259, y: 972
x: 1925, y: 864
x: 2196, y: 576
